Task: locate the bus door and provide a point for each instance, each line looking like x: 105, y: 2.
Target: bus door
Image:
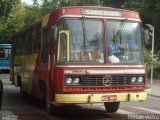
x: 46, y: 73
x: 44, y: 62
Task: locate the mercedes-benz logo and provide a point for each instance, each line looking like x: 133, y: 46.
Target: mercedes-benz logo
x: 107, y: 80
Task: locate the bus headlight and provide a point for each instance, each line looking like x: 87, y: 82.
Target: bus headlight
x: 76, y: 81
x: 72, y: 81
x: 140, y: 80
x: 133, y: 80
x: 137, y: 80
x: 69, y: 81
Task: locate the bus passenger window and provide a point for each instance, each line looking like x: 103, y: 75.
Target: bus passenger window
x: 18, y: 45
x: 44, y: 54
x: 22, y: 44
x: 29, y: 41
x: 37, y: 38
x: 2, y: 53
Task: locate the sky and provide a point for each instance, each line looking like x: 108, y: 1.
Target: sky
x: 29, y: 2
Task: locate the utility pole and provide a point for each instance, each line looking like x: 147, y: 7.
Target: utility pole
x: 152, y: 34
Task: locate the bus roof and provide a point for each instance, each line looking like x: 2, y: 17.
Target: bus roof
x: 89, y: 11
x: 5, y: 44
x: 81, y: 11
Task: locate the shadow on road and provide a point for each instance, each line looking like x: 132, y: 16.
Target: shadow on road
x: 33, y: 109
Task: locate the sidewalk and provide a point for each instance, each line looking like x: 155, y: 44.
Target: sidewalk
x: 155, y: 88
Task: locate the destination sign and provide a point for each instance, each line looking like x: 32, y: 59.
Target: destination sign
x: 97, y: 12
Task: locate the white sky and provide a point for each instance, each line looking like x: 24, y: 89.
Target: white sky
x: 30, y: 2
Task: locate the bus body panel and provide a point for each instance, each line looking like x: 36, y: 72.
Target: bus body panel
x: 99, y: 71
x: 99, y: 98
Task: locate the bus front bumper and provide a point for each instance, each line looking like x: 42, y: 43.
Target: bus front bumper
x: 98, y: 98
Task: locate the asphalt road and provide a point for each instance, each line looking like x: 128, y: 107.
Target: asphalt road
x: 14, y: 108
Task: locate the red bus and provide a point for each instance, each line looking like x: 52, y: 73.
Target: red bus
x: 84, y: 54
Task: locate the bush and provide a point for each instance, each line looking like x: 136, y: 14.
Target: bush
x: 149, y: 60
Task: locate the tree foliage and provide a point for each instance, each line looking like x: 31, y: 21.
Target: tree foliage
x: 149, y: 60
x: 23, y: 15
x: 6, y: 7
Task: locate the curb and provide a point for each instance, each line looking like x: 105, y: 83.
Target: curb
x: 148, y: 89
x: 154, y: 95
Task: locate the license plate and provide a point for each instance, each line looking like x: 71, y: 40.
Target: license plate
x: 109, y: 98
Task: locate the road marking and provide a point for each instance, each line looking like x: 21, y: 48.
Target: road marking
x: 150, y: 110
x: 124, y: 112
x: 157, y: 96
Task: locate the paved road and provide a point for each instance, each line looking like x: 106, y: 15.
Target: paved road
x: 13, y: 108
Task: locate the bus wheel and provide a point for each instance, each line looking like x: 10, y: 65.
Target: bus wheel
x: 49, y: 106
x: 52, y: 109
x: 111, y: 107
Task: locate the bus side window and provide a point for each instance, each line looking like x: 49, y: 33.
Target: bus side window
x: 22, y: 43
x: 18, y: 45
x: 2, y: 53
x: 29, y: 41
x: 44, y: 53
x: 37, y: 38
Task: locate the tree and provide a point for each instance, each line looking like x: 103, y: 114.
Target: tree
x: 113, y: 3
x: 33, y: 14
x: 6, y: 7
x: 50, y: 5
x: 21, y: 16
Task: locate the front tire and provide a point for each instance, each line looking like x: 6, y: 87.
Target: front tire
x: 52, y: 109
x: 111, y: 107
x: 49, y: 107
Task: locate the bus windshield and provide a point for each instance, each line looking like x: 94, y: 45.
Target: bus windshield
x: 81, y: 41
x: 124, y: 42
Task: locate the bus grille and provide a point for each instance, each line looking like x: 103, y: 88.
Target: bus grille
x: 98, y: 80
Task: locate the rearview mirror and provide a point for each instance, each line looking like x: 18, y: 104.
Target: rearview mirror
x: 147, y: 37
x: 148, y: 34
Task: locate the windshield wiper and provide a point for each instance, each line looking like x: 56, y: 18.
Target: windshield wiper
x: 84, y: 35
x: 119, y: 29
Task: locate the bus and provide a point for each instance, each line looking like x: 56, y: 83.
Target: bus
x: 5, y: 56
x: 69, y: 57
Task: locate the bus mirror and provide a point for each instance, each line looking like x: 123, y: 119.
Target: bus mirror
x: 147, y: 36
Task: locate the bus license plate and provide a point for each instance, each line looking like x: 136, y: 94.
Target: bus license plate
x: 109, y: 98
